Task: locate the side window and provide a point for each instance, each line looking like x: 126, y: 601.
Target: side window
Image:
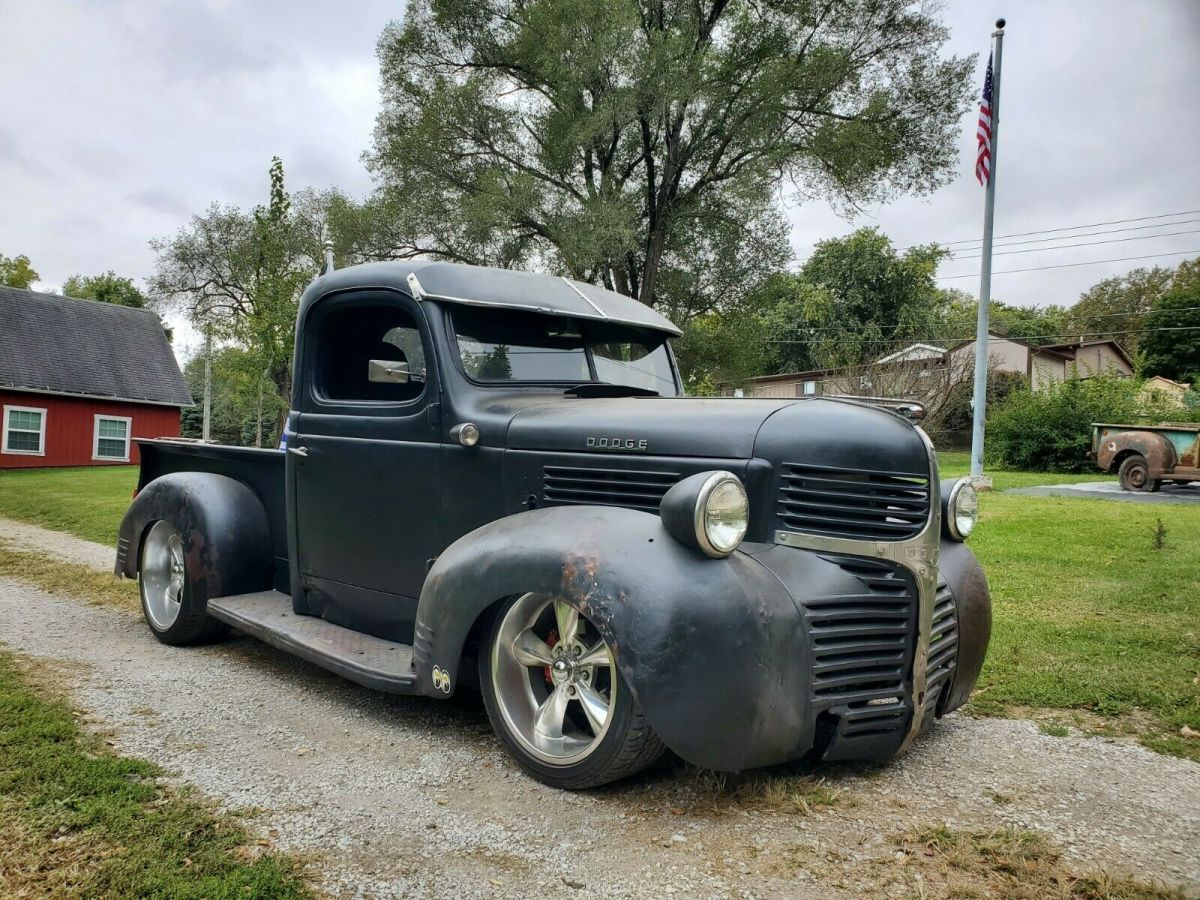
x: 368, y: 351
x: 407, y: 340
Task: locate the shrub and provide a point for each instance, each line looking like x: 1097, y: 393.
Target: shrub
x: 1050, y: 429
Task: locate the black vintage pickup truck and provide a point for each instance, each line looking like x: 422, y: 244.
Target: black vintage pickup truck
x: 493, y: 479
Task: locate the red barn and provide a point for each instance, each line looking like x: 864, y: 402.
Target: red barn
x: 79, y: 380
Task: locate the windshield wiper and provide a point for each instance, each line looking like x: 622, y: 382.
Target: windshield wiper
x: 606, y: 389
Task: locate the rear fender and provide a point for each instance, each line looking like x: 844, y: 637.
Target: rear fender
x: 1160, y: 455
x: 226, y: 536
x: 706, y: 646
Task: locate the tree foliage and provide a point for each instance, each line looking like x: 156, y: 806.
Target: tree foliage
x: 1037, y: 325
x: 1116, y: 307
x: 238, y: 388
x: 17, y: 272
x: 1175, y: 351
x: 646, y: 145
x: 107, y: 288
x: 1050, y: 429
x: 854, y: 300
x: 241, y: 275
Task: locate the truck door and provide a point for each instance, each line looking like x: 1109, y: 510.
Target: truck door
x: 363, y: 464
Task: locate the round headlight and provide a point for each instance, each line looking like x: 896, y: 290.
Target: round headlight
x: 722, y: 514
x: 962, y: 510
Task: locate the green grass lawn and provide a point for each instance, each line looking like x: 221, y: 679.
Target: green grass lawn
x: 88, y: 502
x: 952, y: 463
x: 1090, y: 618
x: 76, y: 820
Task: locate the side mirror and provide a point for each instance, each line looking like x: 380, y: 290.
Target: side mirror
x: 384, y: 371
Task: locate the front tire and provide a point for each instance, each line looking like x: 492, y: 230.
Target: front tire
x: 556, y: 699
x: 172, y: 606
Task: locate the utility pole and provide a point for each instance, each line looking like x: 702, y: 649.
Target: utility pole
x: 991, y: 102
x: 206, y: 431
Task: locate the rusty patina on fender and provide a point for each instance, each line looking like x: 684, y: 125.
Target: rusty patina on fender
x: 1114, y: 446
x: 717, y: 652
x: 711, y: 649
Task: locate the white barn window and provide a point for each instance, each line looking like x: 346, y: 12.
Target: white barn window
x: 110, y: 438
x: 24, y: 431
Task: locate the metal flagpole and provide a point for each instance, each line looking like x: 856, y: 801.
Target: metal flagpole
x: 985, y: 274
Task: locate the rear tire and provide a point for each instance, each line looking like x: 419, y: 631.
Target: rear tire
x: 1134, y: 474
x: 175, y: 610
x: 556, y: 699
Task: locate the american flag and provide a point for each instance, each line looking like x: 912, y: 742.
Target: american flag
x: 983, y: 157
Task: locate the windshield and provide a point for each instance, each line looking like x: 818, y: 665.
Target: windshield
x: 504, y: 346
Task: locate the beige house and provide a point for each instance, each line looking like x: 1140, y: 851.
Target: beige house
x: 1164, y: 388
x: 905, y: 372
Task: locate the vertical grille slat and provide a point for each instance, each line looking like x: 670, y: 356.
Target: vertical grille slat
x: 862, y: 642
x: 943, y: 642
x: 629, y: 488
x: 852, y: 503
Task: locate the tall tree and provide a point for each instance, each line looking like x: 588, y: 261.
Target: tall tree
x: 646, y: 144
x: 1039, y: 325
x: 1171, y: 344
x: 241, y: 274
x: 17, y: 272
x: 1116, y: 307
x: 856, y: 299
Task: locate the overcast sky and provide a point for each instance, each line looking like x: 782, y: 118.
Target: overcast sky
x: 118, y: 120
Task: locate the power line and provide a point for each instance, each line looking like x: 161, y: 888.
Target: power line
x: 1067, y: 237
x: 1186, y: 212
x: 947, y: 340
x: 1091, y: 318
x: 1139, y: 237
x: 1095, y: 262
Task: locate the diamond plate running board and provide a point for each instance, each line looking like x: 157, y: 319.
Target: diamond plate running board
x: 370, y: 661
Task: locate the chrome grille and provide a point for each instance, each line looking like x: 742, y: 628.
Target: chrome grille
x: 943, y: 643
x: 852, y: 503
x: 863, y: 647
x: 629, y: 488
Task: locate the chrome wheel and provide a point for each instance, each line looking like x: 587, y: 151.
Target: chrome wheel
x: 162, y: 576
x: 553, y: 679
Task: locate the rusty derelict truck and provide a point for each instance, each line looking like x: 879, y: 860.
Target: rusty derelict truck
x: 493, y: 479
x: 1145, y: 456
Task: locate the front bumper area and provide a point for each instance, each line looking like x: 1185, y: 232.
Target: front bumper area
x: 858, y: 633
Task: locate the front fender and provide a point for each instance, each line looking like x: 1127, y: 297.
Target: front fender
x: 223, y: 525
x: 968, y: 584
x: 706, y: 646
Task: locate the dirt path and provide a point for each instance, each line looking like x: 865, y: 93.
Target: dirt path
x: 67, y: 547
x: 410, y: 796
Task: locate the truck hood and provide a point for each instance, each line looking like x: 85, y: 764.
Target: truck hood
x: 656, y: 426
x: 826, y: 432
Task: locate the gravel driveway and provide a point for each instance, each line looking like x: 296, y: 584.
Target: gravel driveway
x: 413, y: 797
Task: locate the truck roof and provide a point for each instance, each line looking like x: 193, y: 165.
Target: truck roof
x: 503, y: 288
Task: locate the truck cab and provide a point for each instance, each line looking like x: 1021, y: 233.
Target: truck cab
x: 493, y: 479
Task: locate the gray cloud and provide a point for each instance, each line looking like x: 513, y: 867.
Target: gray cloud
x: 1094, y: 127
x: 123, y: 118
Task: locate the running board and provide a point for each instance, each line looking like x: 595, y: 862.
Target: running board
x: 364, y: 659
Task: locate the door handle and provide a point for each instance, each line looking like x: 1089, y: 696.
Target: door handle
x: 299, y: 451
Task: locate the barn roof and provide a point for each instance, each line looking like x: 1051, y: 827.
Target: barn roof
x: 65, y: 346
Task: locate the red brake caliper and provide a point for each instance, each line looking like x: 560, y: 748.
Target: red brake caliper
x: 551, y: 640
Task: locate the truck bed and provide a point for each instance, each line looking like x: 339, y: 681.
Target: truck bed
x: 260, y: 469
